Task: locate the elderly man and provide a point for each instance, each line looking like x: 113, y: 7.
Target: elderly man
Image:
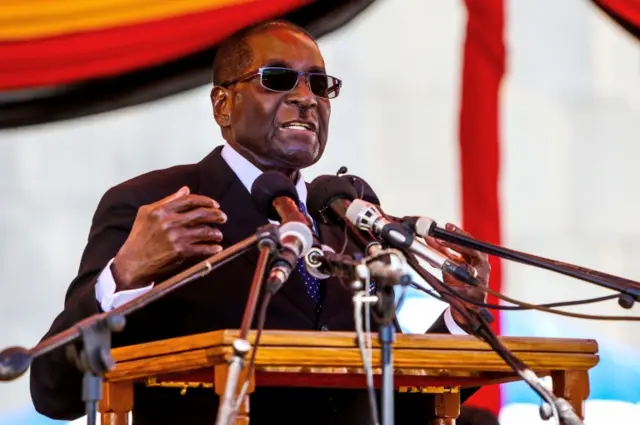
x: 271, y: 98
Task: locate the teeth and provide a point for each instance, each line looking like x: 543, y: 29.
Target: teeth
x: 297, y: 127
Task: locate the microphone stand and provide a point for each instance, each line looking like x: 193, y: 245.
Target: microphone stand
x: 629, y: 290
x: 92, y: 354
x: 386, y: 333
x: 268, y: 242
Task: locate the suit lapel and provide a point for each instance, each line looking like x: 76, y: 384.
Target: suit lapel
x: 218, y: 181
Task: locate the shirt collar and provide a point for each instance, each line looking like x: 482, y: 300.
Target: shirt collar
x: 248, y: 173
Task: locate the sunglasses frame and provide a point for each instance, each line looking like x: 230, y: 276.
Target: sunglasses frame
x: 307, y: 74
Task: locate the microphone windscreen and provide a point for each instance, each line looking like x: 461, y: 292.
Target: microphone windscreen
x: 363, y: 189
x: 323, y: 190
x: 269, y: 186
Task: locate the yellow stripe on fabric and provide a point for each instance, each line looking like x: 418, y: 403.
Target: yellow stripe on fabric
x: 30, y: 19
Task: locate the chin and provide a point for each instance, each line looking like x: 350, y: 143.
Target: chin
x: 300, y: 151
x: 299, y: 159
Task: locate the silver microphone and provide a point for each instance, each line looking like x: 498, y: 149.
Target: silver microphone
x: 367, y: 217
x: 296, y: 240
x: 322, y: 262
x: 313, y: 261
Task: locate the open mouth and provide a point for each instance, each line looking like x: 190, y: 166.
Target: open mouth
x: 300, y: 126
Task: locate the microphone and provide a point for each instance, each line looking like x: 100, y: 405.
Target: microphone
x: 328, y: 199
x: 316, y: 264
x: 326, y: 263
x: 366, y: 216
x: 364, y: 191
x: 422, y: 226
x: 275, y: 196
x: 323, y: 263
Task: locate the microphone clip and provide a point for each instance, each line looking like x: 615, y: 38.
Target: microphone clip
x: 268, y: 236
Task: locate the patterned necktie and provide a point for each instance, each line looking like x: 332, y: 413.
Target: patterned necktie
x: 373, y: 288
x: 311, y: 284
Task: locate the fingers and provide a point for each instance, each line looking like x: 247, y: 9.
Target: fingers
x: 451, y: 254
x: 183, y: 191
x: 461, y: 249
x: 184, y: 236
x: 201, y: 234
x: 198, y: 216
x: 183, y: 200
x: 199, y: 240
x: 473, y: 293
x: 205, y: 250
x: 189, y: 202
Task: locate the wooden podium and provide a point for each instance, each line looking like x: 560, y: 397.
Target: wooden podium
x: 434, y: 363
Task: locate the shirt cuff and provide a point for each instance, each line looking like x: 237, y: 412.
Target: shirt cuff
x: 451, y: 324
x: 106, y: 294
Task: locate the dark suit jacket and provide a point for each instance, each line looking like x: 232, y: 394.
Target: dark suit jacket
x: 214, y: 302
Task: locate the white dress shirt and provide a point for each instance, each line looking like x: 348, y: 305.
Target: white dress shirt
x: 105, y: 288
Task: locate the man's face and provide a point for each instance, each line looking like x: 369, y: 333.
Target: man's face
x: 261, y: 121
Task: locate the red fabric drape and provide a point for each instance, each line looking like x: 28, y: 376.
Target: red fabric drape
x: 483, y: 68
x: 625, y: 12
x: 77, y: 57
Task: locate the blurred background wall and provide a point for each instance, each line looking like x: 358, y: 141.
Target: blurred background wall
x: 570, y: 133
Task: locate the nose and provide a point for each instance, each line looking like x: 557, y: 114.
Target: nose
x: 302, y: 96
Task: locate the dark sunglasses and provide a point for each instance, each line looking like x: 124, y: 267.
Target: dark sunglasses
x: 285, y: 79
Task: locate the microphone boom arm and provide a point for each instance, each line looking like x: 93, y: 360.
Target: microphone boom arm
x: 629, y: 289
x: 92, y: 355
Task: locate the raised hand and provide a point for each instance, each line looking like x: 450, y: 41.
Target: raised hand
x: 476, y: 259
x: 165, y: 234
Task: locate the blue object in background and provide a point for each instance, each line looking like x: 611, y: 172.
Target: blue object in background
x: 615, y: 377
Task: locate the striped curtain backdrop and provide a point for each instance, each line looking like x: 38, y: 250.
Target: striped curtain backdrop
x: 71, y: 58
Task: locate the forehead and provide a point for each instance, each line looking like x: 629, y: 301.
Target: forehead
x: 285, y: 46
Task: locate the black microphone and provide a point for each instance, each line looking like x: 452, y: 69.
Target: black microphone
x: 328, y: 199
x: 363, y: 189
x: 275, y: 196
x: 323, y: 262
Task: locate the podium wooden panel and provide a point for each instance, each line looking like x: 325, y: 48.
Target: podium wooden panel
x: 434, y: 363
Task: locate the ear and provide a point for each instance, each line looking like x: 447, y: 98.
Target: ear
x: 222, y: 106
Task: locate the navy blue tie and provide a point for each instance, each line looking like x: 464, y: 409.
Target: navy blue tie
x: 373, y: 289
x: 311, y: 284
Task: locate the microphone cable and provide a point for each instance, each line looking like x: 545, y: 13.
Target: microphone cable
x: 481, y: 329
x: 361, y: 305
x: 522, y: 306
x: 560, y: 312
